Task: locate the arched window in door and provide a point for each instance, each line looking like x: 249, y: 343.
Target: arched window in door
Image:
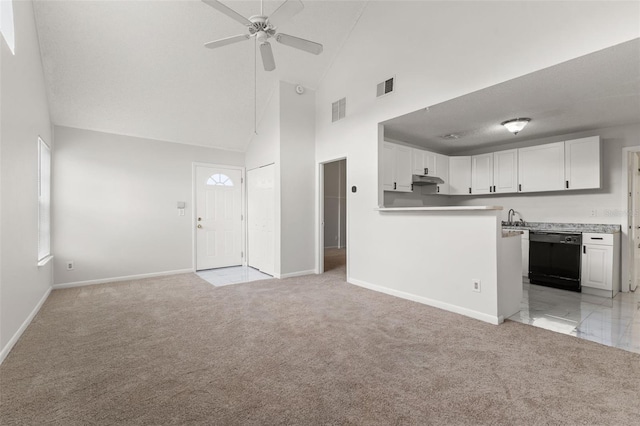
x: 219, y: 179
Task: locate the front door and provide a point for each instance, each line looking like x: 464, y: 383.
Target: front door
x: 218, y: 217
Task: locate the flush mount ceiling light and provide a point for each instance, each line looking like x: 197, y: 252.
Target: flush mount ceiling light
x: 515, y: 125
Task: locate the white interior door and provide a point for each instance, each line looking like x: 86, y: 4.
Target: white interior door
x: 261, y: 219
x: 218, y: 217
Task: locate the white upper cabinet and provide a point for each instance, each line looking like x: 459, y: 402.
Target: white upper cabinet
x: 582, y: 163
x: 482, y: 174
x: 396, y: 167
x: 388, y: 166
x: 505, y: 171
x: 460, y: 175
x: 403, y: 168
x: 541, y: 168
x: 442, y: 168
x: 423, y: 162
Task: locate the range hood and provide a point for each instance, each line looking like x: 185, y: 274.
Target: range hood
x: 417, y: 180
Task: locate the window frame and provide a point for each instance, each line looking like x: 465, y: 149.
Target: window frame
x: 44, y: 202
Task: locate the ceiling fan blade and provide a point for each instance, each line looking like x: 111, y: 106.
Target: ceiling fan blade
x: 228, y: 11
x: 267, y: 57
x: 228, y: 40
x: 286, y: 11
x: 299, y: 43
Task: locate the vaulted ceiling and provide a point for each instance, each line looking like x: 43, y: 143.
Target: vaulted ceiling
x: 139, y: 68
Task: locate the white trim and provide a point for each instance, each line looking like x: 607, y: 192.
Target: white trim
x: 624, y: 225
x: 45, y: 260
x: 124, y: 278
x: 319, y: 269
x: 297, y: 274
x: 10, y: 344
x: 431, y: 302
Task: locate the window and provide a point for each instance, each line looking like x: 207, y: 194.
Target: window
x: 219, y: 179
x: 6, y: 24
x: 44, y: 200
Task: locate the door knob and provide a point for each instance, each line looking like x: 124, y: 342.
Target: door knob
x: 199, y: 219
x: 199, y: 226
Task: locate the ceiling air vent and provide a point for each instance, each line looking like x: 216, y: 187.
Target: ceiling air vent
x: 386, y: 87
x: 338, y: 110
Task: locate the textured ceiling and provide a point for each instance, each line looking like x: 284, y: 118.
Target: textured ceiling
x: 139, y: 68
x: 598, y: 90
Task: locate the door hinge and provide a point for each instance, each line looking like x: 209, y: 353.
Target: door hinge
x: 242, y: 254
x: 241, y: 180
x: 241, y: 217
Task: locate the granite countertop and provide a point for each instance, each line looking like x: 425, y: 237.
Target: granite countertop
x: 566, y: 227
x: 437, y: 208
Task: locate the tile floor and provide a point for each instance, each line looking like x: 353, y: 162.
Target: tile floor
x: 232, y: 275
x: 612, y: 322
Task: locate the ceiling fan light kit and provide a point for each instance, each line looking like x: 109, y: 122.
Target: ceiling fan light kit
x: 515, y: 125
x: 263, y: 28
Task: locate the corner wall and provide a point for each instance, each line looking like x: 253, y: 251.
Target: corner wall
x: 24, y: 117
x: 114, y: 204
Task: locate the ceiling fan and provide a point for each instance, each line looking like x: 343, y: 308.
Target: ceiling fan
x: 264, y: 27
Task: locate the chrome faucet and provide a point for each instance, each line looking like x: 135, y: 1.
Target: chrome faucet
x: 510, y: 216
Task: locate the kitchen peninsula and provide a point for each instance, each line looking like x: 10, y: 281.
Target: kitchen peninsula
x: 455, y: 258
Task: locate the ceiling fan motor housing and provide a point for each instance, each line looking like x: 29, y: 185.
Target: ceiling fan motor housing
x: 260, y: 24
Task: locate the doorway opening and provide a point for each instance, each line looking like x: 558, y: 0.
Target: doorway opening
x: 333, y: 212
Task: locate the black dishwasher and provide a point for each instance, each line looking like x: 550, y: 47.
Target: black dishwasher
x: 554, y: 259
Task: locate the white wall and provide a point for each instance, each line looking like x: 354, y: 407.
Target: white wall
x: 458, y: 47
x: 24, y: 117
x: 114, y: 204
x: 297, y: 174
x: 335, y: 206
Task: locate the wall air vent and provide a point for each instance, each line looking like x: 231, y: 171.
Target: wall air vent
x: 386, y: 87
x: 338, y: 110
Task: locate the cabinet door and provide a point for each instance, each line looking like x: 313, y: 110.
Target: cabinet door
x: 430, y: 166
x: 460, y: 175
x: 417, y: 162
x: 482, y: 174
x: 403, y: 168
x: 582, y: 163
x: 597, y: 266
x: 541, y: 168
x: 505, y: 171
x: 442, y: 168
x: 388, y: 166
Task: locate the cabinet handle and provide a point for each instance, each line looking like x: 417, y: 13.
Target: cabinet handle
x: 411, y: 187
x: 494, y: 189
x: 519, y: 187
x: 566, y: 184
x: 584, y: 249
x: 469, y: 190
x: 437, y: 189
x: 394, y: 185
x: 490, y: 188
x: 426, y: 171
x: 596, y: 238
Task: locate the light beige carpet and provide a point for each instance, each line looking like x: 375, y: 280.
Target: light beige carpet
x: 309, y: 350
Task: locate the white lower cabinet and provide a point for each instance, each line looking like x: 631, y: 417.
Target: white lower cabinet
x: 600, y: 272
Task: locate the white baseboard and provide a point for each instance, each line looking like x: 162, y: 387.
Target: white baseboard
x: 116, y: 279
x: 297, y: 274
x: 11, y: 343
x: 426, y: 301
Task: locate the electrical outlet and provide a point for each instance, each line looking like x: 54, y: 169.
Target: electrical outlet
x: 69, y: 265
x: 476, y: 284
